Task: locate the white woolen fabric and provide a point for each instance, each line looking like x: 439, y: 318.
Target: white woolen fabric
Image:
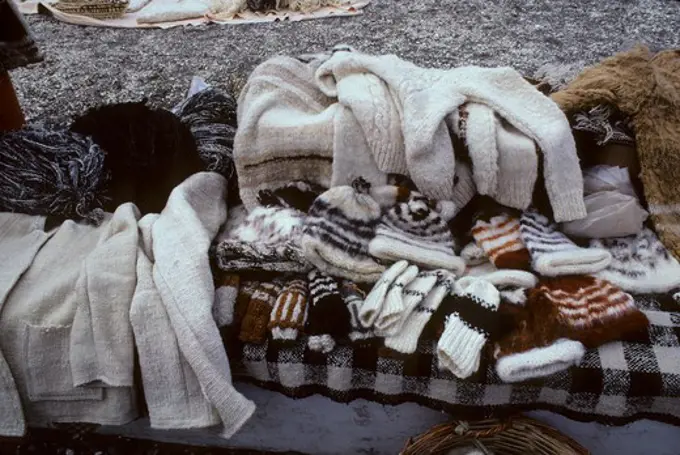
x: 540, y: 362
x: 375, y: 299
x: 396, y: 302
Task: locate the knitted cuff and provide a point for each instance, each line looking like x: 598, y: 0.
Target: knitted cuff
x: 459, y: 349
x: 540, y: 361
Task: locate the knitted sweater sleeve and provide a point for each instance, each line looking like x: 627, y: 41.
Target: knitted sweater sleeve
x: 181, y: 238
x: 518, y: 102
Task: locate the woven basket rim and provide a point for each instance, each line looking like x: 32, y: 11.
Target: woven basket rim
x: 514, y: 435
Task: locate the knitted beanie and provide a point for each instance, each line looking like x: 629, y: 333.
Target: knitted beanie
x: 406, y: 339
x: 226, y: 293
x: 534, y: 348
x: 340, y: 225
x: 329, y: 317
x: 412, y: 230
x: 290, y: 311
x: 553, y: 254
x: 375, y: 300
x: 640, y: 264
x: 473, y: 321
x: 354, y: 297
x: 407, y: 291
x: 500, y: 239
x: 256, y: 319
x: 588, y: 309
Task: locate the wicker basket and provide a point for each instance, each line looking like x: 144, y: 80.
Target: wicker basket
x: 514, y: 436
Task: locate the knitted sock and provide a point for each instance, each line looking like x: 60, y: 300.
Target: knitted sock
x: 500, y: 239
x: 534, y: 347
x: 406, y: 340
x: 354, y: 299
x: 340, y: 225
x: 373, y: 304
x: 254, y: 325
x: 226, y: 294
x: 589, y: 310
x: 640, y: 264
x: 290, y: 311
x: 468, y: 327
x: 329, y: 318
x: 553, y: 254
x: 413, y: 230
x: 406, y: 298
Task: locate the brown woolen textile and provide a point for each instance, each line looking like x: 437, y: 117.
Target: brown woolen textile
x: 646, y: 88
x: 255, y: 322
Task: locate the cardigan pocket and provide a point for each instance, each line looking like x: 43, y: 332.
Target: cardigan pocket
x: 48, y: 375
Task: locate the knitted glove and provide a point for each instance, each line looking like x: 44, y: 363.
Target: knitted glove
x: 468, y: 328
x: 376, y: 298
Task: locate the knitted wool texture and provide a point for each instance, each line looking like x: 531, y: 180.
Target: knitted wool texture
x: 256, y: 319
x: 52, y: 173
x: 226, y: 293
x: 412, y: 230
x: 425, y: 97
x: 375, y: 300
x: 414, y: 322
x: 640, y: 264
x: 245, y: 293
x: 354, y: 297
x: 301, y: 149
x: 589, y: 310
x: 534, y: 349
x: 97, y: 9
x: 329, y: 317
x: 642, y: 86
x: 553, y: 254
x: 337, y: 232
x: 290, y: 311
x: 299, y: 195
x: 473, y: 321
x: 149, y: 152
x: 500, y: 239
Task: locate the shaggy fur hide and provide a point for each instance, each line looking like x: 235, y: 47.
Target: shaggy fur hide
x: 148, y: 152
x: 645, y: 87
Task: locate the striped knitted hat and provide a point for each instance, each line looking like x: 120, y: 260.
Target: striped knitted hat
x: 413, y: 230
x: 340, y: 225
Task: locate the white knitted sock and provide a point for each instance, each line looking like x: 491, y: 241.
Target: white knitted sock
x: 395, y: 302
x: 468, y: 327
x: 540, y: 361
x: 406, y: 340
x: 553, y: 254
x: 375, y: 299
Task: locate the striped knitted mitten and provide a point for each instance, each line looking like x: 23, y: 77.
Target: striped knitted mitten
x: 500, y: 239
x: 290, y: 311
x: 473, y: 321
x: 553, y: 254
x: 329, y: 318
x: 256, y: 319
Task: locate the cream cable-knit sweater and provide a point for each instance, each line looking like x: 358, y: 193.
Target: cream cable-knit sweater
x: 425, y: 97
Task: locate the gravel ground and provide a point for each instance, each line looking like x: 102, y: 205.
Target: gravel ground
x: 85, y: 66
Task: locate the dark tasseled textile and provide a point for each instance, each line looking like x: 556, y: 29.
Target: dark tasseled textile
x: 148, y: 152
x: 211, y: 116
x: 55, y: 173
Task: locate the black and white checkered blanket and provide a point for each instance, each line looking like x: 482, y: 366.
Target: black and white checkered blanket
x: 615, y: 384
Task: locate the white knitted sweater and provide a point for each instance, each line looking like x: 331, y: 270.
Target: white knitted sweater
x: 423, y: 98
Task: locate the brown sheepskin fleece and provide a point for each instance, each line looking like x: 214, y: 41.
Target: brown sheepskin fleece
x: 646, y: 88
